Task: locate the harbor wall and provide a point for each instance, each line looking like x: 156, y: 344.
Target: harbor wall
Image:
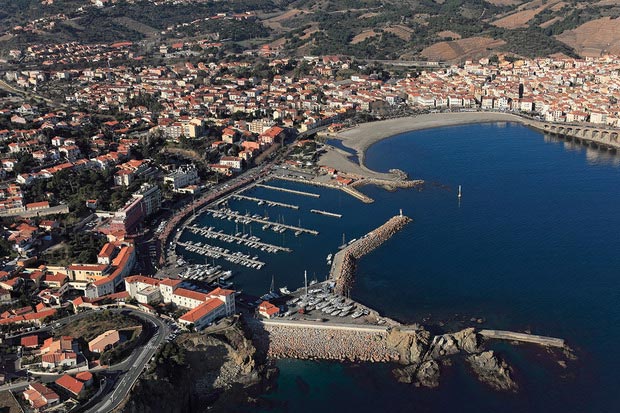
x: 343, y: 266
x: 326, y: 343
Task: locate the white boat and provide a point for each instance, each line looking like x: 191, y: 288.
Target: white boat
x: 285, y: 290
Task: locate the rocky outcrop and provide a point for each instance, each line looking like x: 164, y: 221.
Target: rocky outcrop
x: 492, y: 370
x: 425, y: 374
x: 466, y: 340
x: 411, y: 345
x: 201, y: 370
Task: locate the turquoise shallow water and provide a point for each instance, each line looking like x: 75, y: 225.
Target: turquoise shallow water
x: 533, y: 244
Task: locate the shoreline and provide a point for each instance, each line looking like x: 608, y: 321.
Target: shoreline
x: 361, y: 137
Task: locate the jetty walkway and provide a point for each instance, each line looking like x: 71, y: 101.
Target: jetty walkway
x: 291, y: 191
x: 266, y: 201
x: 523, y: 337
x: 343, y: 266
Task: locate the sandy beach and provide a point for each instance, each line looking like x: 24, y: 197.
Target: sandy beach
x: 361, y: 137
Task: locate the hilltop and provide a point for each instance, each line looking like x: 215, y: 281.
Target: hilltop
x: 447, y: 30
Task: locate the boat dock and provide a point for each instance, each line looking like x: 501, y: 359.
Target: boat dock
x: 329, y: 214
x: 523, y: 337
x: 218, y: 252
x: 248, y: 241
x: 265, y: 201
x: 292, y: 191
x: 254, y: 218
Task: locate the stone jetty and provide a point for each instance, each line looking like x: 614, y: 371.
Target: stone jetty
x: 343, y: 267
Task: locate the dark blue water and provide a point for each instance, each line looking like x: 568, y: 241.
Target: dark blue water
x: 533, y: 244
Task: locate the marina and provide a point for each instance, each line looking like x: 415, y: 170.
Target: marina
x: 219, y: 252
x: 291, y: 191
x: 247, y: 240
x: 247, y: 218
x: 206, y: 273
x: 267, y: 202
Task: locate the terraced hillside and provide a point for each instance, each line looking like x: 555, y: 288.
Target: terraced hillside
x: 448, y: 30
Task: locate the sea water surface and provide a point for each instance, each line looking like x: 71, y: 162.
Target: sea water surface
x: 532, y: 245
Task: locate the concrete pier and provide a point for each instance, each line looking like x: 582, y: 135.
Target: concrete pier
x: 523, y: 337
x: 266, y: 201
x: 327, y: 213
x: 291, y: 191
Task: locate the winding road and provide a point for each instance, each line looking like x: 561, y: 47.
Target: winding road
x: 128, y: 370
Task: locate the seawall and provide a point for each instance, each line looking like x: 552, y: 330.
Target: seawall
x: 293, y: 340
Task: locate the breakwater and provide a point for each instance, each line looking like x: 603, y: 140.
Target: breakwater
x: 523, y: 337
x: 343, y: 266
x: 287, y: 340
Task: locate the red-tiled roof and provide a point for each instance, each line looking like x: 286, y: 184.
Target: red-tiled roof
x: 202, y: 310
x: 84, y: 376
x: 142, y: 279
x: 170, y: 282
x: 30, y: 341
x: 221, y: 291
x: 71, y: 384
x: 195, y: 295
x: 106, y: 250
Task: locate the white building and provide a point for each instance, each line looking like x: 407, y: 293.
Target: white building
x: 182, y: 177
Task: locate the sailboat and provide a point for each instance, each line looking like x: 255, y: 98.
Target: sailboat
x: 344, y: 243
x: 460, y: 194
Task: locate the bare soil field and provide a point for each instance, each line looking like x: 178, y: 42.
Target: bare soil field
x: 366, y: 34
x: 456, y: 50
x: 518, y: 19
x: 448, y: 34
x: 403, y: 32
x: 594, y: 38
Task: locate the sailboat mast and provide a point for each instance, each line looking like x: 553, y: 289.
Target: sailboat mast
x: 306, y: 281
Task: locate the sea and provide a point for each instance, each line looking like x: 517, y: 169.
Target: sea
x: 533, y: 245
